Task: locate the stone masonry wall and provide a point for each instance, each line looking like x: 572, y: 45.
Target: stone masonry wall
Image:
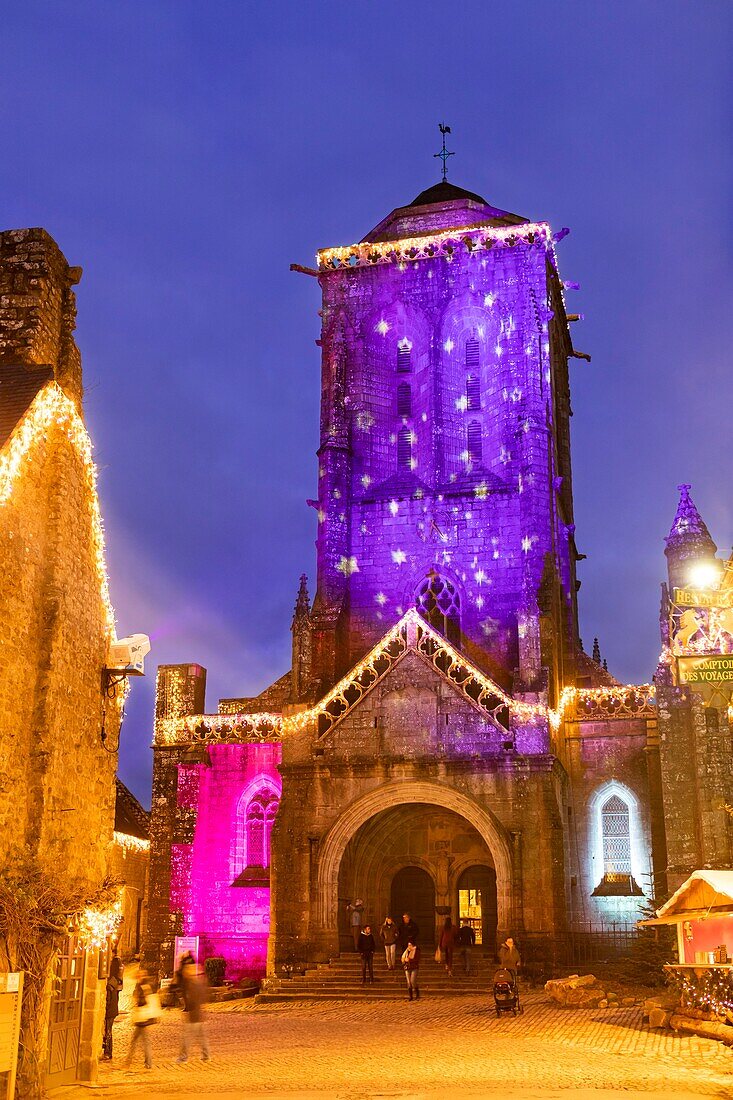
x: 38, y: 307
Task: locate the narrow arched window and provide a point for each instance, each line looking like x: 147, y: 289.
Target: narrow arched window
x: 438, y: 602
x: 473, y: 392
x: 472, y: 358
x: 404, y: 449
x: 404, y: 357
x: 474, y: 445
x: 404, y: 399
x: 259, y: 817
x: 616, y: 832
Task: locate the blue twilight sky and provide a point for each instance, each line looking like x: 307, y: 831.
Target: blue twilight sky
x: 184, y: 153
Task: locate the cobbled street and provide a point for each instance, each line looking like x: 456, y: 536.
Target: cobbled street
x: 440, y: 1047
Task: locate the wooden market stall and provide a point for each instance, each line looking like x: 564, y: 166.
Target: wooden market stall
x: 702, y: 909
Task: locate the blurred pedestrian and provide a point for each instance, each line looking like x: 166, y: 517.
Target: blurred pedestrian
x: 411, y: 965
x: 195, y: 994
x: 466, y: 941
x: 366, y: 947
x: 447, y: 942
x: 115, y: 980
x: 389, y: 934
x: 145, y: 1012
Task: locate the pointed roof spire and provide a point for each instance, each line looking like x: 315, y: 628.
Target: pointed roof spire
x: 688, y: 532
x: 596, y: 651
x: 302, y: 603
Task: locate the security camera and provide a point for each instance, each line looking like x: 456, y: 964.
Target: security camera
x: 127, y: 655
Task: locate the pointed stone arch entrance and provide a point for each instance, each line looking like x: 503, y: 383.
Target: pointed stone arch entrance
x: 407, y: 823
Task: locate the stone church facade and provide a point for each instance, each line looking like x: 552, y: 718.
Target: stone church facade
x: 442, y: 743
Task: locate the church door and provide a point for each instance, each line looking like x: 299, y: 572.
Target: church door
x: 413, y: 892
x: 477, y: 903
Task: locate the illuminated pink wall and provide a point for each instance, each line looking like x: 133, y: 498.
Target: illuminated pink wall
x: 232, y: 921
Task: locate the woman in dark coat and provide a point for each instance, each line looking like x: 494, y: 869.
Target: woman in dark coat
x: 112, y: 1005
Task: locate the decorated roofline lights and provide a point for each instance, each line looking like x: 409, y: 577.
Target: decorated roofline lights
x: 471, y: 238
x: 411, y: 632
x: 130, y: 843
x: 51, y: 408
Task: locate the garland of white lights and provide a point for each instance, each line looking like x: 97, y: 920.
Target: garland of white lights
x: 430, y: 245
x: 130, y: 843
x: 283, y: 725
x: 51, y: 408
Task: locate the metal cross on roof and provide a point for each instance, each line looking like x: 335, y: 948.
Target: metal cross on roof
x: 444, y: 154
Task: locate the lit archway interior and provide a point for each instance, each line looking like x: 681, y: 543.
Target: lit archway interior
x: 439, y: 842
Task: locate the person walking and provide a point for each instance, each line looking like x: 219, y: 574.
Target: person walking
x: 411, y: 965
x: 389, y: 934
x: 195, y: 994
x: 355, y: 908
x: 366, y: 947
x: 466, y: 941
x: 446, y: 943
x: 408, y: 930
x: 145, y: 1011
x: 509, y: 957
x: 112, y: 1004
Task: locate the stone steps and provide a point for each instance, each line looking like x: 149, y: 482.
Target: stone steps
x: 341, y: 980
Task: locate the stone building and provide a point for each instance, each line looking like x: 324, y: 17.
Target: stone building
x: 128, y: 865
x: 57, y: 787
x: 441, y: 743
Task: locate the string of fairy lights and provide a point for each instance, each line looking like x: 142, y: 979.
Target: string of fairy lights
x: 709, y: 991
x: 170, y: 731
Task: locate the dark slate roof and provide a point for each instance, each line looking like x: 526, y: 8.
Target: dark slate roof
x: 130, y: 817
x: 18, y: 386
x: 445, y: 192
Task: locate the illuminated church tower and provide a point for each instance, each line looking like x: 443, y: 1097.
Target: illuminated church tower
x: 444, y: 464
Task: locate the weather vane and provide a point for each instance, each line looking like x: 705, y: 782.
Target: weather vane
x: 444, y: 154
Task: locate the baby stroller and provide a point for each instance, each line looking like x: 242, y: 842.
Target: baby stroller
x: 506, y: 992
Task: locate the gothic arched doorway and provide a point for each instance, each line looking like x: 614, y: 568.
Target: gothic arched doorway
x: 413, y: 892
x: 477, y: 903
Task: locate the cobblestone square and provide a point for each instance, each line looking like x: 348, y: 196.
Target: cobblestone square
x: 430, y: 1048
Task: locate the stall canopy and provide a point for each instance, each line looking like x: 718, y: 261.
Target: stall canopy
x: 704, y: 894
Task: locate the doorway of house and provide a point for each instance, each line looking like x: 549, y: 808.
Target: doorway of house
x: 413, y: 892
x: 65, y: 1018
x: 477, y: 903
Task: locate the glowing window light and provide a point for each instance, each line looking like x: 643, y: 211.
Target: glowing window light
x: 394, y: 507
x: 705, y: 574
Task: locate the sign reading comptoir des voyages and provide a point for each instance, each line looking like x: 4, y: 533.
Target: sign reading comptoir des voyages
x: 706, y: 670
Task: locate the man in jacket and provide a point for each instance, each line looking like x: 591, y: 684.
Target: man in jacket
x: 112, y: 1005
x: 408, y: 931
x: 466, y: 941
x: 366, y: 947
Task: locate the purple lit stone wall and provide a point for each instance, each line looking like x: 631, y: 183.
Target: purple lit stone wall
x: 233, y: 921
x: 402, y: 487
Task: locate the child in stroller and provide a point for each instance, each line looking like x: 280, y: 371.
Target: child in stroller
x: 506, y: 992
